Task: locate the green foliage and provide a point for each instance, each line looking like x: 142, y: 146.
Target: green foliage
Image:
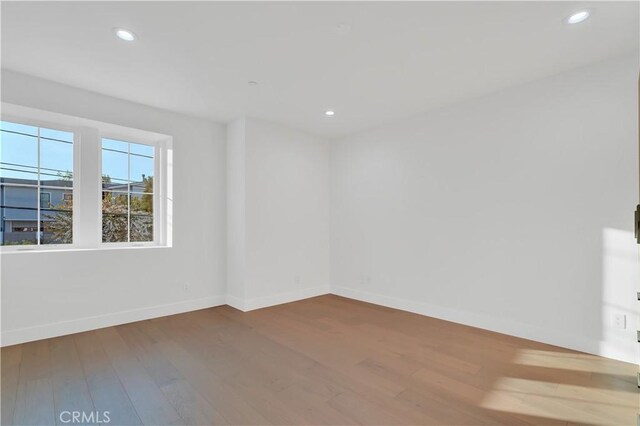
x: 19, y: 243
x: 60, y: 224
x: 58, y: 229
x: 114, y: 216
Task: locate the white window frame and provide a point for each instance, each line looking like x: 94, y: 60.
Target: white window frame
x: 157, y: 192
x: 87, y: 191
x: 35, y: 122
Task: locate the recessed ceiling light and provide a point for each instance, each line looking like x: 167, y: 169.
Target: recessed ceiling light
x: 329, y: 113
x: 125, y: 35
x: 252, y: 83
x: 578, y: 17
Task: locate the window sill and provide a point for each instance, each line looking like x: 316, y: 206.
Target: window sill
x: 11, y: 251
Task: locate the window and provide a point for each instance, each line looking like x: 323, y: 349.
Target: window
x: 36, y: 169
x: 127, y: 191
x: 69, y: 182
x: 45, y: 200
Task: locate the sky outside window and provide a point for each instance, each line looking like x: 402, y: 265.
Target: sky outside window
x: 36, y: 188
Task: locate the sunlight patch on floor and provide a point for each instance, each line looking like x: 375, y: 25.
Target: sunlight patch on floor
x: 570, y: 361
x: 569, y: 403
x: 578, y: 388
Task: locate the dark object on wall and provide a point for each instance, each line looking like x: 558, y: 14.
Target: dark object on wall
x: 636, y: 225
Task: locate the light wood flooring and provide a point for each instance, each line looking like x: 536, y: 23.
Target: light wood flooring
x: 322, y: 361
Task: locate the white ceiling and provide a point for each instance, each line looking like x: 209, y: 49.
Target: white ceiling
x: 398, y: 59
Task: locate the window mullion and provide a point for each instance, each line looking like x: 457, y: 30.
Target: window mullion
x: 129, y: 192
x: 38, y: 192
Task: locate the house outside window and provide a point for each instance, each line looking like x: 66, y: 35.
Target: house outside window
x: 42, y: 201
x: 36, y: 169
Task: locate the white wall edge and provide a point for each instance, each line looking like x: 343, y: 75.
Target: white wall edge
x: 286, y: 297
x: 28, y: 334
x: 236, y: 302
x: 498, y: 325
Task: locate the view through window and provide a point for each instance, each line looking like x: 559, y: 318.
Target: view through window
x: 36, y: 185
x: 127, y: 191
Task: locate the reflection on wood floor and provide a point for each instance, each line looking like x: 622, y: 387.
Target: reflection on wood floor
x: 326, y: 360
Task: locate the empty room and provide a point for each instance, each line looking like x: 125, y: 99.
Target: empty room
x: 319, y: 213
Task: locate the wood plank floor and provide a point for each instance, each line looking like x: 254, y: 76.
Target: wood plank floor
x: 322, y: 361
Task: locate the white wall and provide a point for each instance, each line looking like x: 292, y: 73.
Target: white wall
x: 236, y: 212
x: 283, y: 178
x: 45, y: 294
x: 511, y: 212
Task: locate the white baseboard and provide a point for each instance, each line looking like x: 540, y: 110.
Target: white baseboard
x: 22, y: 335
x: 235, y: 302
x: 28, y: 334
x: 278, y: 299
x: 621, y: 352
x: 499, y: 325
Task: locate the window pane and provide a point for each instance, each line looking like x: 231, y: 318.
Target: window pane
x: 141, y: 217
x: 18, y: 128
x: 56, y: 217
x: 18, y: 215
x: 115, y: 166
x: 18, y: 158
x: 56, y: 134
x: 141, y: 173
x: 115, y: 145
x: 128, y: 172
x: 115, y: 212
x: 56, y: 163
x: 140, y: 149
